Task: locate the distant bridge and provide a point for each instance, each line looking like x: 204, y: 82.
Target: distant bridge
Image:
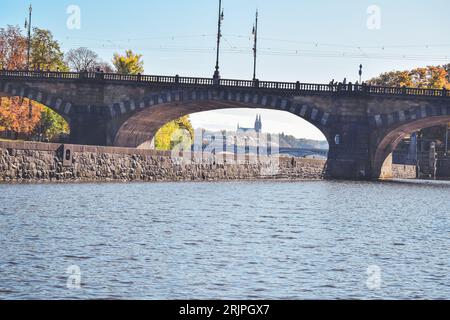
x: 303, y: 152
x: 363, y: 124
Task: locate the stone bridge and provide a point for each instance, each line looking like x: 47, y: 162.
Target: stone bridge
x: 303, y: 152
x: 363, y: 124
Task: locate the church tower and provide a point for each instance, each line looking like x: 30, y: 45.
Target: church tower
x: 258, y: 124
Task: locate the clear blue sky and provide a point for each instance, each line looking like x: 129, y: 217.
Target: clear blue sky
x: 309, y: 41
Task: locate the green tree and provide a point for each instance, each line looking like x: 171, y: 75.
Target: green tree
x: 173, y: 133
x: 129, y: 63
x: 51, y: 125
x: 46, y: 53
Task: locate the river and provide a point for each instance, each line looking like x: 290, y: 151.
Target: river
x: 236, y: 240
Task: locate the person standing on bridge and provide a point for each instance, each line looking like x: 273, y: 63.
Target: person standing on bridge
x: 331, y: 85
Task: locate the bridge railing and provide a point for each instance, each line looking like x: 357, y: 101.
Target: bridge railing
x: 406, y: 91
x: 39, y: 74
x: 271, y: 85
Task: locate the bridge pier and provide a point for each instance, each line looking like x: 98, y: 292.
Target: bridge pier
x: 350, y: 155
x: 89, y: 131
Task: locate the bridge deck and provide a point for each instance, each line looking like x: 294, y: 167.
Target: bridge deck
x: 209, y: 82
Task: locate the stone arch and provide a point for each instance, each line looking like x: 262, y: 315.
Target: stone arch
x: 392, y: 137
x: 141, y: 119
x: 54, y: 102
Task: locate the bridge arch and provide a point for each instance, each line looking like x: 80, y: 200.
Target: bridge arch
x: 56, y: 103
x: 390, y: 139
x: 146, y: 117
x: 51, y: 102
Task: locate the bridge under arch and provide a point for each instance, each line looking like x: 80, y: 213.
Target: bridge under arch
x: 391, y: 138
x: 140, y: 128
x: 362, y: 124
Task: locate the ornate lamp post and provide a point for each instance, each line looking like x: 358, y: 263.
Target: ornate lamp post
x: 255, y: 35
x: 360, y: 73
x: 28, y: 26
x: 219, y: 35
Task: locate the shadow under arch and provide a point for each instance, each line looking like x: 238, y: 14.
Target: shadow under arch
x: 382, y: 161
x: 140, y: 128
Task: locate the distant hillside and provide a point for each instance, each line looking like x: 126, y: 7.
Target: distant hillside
x: 287, y: 141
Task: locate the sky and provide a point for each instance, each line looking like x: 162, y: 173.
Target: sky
x: 299, y: 40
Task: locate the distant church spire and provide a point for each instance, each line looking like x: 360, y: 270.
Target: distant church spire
x: 258, y: 123
x: 257, y: 127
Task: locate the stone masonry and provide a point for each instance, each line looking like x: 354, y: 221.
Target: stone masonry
x: 36, y: 162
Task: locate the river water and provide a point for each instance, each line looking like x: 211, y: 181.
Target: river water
x: 245, y: 240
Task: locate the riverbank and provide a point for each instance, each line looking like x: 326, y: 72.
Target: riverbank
x: 31, y: 162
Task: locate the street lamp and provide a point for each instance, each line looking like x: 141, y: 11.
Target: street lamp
x: 28, y: 26
x: 219, y: 35
x: 360, y: 73
x: 255, y: 35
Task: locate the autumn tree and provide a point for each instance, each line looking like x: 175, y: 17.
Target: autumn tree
x: 12, y: 48
x: 393, y: 79
x: 129, y: 63
x: 437, y: 78
x: 172, y: 134
x: 432, y: 77
x: 447, y: 68
x: 19, y: 117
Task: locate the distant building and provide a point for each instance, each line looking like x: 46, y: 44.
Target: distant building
x: 257, y: 128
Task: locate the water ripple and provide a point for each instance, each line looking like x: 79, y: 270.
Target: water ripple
x: 237, y: 240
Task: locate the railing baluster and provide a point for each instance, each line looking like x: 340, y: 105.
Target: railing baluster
x: 267, y: 85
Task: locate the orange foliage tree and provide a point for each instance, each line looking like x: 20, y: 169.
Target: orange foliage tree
x: 433, y: 77
x: 12, y: 48
x: 22, y: 118
x: 19, y: 116
x: 16, y: 115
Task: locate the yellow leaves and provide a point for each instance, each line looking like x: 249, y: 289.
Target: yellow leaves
x: 434, y: 77
x: 129, y: 63
x: 172, y: 134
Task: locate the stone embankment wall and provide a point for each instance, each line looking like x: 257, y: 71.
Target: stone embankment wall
x: 38, y: 162
x: 400, y: 171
